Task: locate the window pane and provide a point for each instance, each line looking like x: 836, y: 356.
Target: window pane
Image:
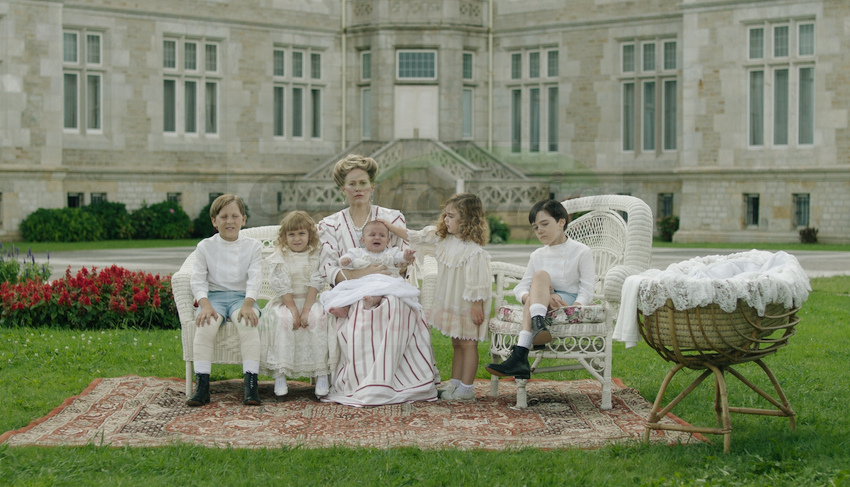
x: 366, y: 113
x: 534, y: 65
x: 92, y: 49
x: 467, y: 65
x: 553, y: 119
x: 534, y: 120
x: 780, y: 41
x: 628, y: 116
x: 516, y: 120
x: 669, y: 55
x: 366, y: 65
x: 211, y: 58
x: 801, y: 210
x: 315, y: 65
x: 211, y: 108
x: 670, y: 101
x: 97, y: 198
x: 665, y: 204
x: 71, y: 101
x: 516, y: 65
x: 93, y: 98
x: 191, y: 104
x: 169, y: 105
x: 807, y: 106
x: 780, y: 107
x: 466, y: 130
x: 316, y: 98
x: 297, y: 110
x: 278, y: 111
x: 649, y: 57
x: 807, y: 39
x: 279, y: 57
x: 69, y: 47
x: 298, y: 64
x: 752, y: 209
x: 756, y: 43
x: 649, y: 116
x: 190, y: 55
x: 169, y: 54
x: 552, y: 64
x: 756, y: 107
x: 628, y: 58
x: 417, y: 64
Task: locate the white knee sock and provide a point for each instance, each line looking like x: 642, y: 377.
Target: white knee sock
x: 524, y: 339
x: 537, y: 309
x: 203, y: 367
x: 250, y: 366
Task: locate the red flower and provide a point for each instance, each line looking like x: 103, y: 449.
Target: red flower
x: 133, y: 308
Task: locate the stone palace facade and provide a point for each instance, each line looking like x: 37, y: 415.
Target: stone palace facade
x: 732, y: 115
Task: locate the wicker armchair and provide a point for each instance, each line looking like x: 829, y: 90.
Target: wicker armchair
x: 227, y: 340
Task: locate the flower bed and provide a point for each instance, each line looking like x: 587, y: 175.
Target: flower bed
x: 101, y: 299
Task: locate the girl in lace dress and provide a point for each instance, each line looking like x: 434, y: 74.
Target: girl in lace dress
x: 462, y: 300
x: 297, y: 337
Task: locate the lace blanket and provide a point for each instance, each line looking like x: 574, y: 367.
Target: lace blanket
x: 756, y: 277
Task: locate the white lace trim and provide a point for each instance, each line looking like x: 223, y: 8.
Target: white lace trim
x: 757, y: 277
x: 455, y: 252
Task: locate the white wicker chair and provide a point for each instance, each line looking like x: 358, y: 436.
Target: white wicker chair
x: 227, y: 340
x: 620, y: 249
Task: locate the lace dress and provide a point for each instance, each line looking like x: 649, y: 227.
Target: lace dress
x: 302, y: 352
x: 463, y: 276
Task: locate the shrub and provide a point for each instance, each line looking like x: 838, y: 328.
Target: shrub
x: 499, y: 230
x: 61, y: 225
x: 202, y: 226
x: 667, y: 226
x: 809, y: 235
x: 110, y: 298
x: 165, y: 220
x: 12, y: 271
x: 114, y: 218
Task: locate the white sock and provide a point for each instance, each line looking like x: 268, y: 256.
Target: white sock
x: 524, y: 339
x: 203, y: 367
x: 463, y: 389
x: 280, y: 387
x: 251, y: 366
x: 537, y: 309
x: 322, y: 381
x: 455, y: 382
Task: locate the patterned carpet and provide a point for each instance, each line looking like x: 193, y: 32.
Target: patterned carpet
x: 148, y: 411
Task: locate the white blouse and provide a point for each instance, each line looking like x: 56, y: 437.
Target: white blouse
x: 227, y: 266
x: 281, y: 272
x: 570, y: 265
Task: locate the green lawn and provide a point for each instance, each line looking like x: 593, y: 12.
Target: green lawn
x: 104, y: 244
x: 39, y: 368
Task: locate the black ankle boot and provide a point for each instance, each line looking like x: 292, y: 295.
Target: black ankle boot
x: 202, y: 391
x: 540, y: 335
x: 251, y: 395
x: 515, y: 366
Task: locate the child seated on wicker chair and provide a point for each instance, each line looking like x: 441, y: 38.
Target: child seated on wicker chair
x: 559, y: 274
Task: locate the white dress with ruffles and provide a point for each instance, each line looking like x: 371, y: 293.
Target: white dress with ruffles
x: 463, y: 276
x: 385, y: 352
x: 303, y: 352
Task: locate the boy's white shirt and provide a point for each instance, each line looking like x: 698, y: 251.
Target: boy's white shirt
x: 565, y: 263
x: 227, y: 266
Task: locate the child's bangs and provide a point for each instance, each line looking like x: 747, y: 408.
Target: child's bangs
x: 297, y: 222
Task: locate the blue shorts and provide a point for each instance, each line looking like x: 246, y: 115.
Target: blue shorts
x: 569, y: 298
x: 226, y: 303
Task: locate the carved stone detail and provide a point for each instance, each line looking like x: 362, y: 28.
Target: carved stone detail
x: 363, y: 8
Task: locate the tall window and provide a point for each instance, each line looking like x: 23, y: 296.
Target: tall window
x: 553, y: 119
x: 801, y: 210
x: 297, y: 93
x: 467, y: 66
x: 552, y: 64
x: 534, y: 100
x: 466, y: 102
x: 190, y: 86
x: 780, y: 67
x: 534, y: 64
x: 649, y: 76
x: 76, y: 200
x: 516, y: 120
x: 366, y: 66
x: 516, y: 65
x: 366, y: 113
x: 665, y: 204
x: 418, y: 64
x: 751, y: 201
x: 83, y: 72
x: 534, y: 120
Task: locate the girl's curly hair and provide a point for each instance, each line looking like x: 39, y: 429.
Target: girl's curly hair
x: 298, y: 220
x: 473, y: 223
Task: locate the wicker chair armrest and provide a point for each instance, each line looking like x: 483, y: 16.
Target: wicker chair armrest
x: 181, y: 288
x: 615, y: 278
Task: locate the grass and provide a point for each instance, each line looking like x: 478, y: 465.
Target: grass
x: 41, y: 367
x: 103, y: 244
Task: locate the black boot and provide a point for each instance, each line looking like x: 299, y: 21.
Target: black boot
x: 515, y: 366
x: 202, y: 391
x: 251, y: 395
x: 540, y: 335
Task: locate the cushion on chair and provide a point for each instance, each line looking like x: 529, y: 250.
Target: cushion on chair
x: 500, y: 327
x: 593, y: 313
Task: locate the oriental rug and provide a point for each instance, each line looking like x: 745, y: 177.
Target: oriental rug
x: 148, y: 411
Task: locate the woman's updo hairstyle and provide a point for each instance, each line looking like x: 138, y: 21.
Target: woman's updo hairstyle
x: 352, y: 162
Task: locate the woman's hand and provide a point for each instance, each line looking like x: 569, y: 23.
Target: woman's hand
x: 206, y: 314
x: 478, y: 312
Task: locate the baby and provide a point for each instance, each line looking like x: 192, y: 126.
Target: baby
x: 371, y: 288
